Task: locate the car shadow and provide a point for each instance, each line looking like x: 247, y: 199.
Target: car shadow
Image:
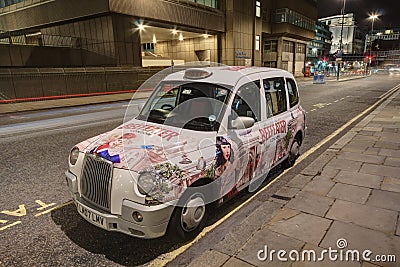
x: 127, y: 250
x: 117, y: 247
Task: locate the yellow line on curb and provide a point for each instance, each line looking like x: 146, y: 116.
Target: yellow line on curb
x: 163, y: 259
x: 57, y: 207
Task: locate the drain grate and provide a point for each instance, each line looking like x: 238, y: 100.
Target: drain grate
x: 281, y: 197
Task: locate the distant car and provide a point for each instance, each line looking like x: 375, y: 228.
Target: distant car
x: 380, y: 71
x: 204, y: 135
x: 394, y: 69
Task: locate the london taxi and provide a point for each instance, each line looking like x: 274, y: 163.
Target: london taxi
x: 204, y: 135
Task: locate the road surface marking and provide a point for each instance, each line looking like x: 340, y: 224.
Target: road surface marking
x: 10, y: 225
x: 54, y: 208
x: 313, y: 109
x: 390, y: 91
x: 320, y: 105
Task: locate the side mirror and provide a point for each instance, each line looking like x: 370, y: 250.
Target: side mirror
x: 242, y: 123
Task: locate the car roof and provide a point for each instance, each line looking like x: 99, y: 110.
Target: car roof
x: 229, y: 75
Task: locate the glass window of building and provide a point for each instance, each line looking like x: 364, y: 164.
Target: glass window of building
x: 288, y: 47
x: 300, y: 48
x: 4, y: 3
x: 258, y: 42
x: 270, y: 46
x: 258, y: 9
x: 210, y: 3
x: 289, y: 16
x: 270, y: 64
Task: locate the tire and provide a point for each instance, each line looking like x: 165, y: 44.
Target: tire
x: 189, y: 216
x: 294, y: 153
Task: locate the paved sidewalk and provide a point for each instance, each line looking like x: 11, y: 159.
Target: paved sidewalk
x: 351, y: 192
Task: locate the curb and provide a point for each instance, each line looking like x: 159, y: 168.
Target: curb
x: 335, y: 80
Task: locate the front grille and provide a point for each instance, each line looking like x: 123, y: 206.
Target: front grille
x: 96, y: 181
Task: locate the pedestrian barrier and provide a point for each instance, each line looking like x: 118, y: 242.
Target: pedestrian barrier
x: 319, y: 78
x: 35, y: 84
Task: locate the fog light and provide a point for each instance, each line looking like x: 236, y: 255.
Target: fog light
x: 137, y: 216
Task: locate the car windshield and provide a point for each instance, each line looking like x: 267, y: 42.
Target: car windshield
x: 194, y: 106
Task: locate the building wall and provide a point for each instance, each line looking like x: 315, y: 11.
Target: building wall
x: 95, y: 35
x: 296, y: 26
x: 44, y: 13
x: 102, y: 41
x: 175, y: 12
x: 186, y: 49
x: 238, y: 38
x: 106, y: 28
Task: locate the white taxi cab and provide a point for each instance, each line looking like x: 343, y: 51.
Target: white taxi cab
x: 204, y: 135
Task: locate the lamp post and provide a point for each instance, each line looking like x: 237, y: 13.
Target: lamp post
x: 341, y: 36
x: 372, y: 17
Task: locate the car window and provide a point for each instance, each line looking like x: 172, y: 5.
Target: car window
x: 247, y: 101
x: 275, y: 95
x: 292, y: 92
x: 195, y: 106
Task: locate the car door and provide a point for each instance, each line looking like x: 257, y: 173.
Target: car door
x: 243, y: 141
x: 274, y: 131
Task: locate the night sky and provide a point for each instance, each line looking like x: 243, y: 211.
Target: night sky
x: 389, y: 11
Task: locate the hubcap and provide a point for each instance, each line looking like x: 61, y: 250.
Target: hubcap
x: 295, y: 149
x: 193, y: 212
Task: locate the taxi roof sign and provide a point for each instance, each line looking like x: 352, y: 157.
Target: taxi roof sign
x: 195, y: 74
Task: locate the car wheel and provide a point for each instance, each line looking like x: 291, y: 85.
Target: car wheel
x: 294, y: 153
x: 189, y: 217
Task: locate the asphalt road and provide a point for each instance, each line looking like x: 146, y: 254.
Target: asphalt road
x: 34, y: 149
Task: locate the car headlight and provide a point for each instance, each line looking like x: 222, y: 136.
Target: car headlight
x: 146, y: 183
x: 73, y: 155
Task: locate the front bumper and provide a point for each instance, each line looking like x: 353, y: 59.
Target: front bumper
x: 154, y: 223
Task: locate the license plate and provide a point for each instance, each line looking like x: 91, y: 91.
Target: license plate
x: 92, y: 217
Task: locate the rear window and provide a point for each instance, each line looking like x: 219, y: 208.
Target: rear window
x: 292, y: 92
x: 275, y: 95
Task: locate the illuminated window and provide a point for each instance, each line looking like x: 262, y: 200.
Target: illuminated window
x: 258, y: 9
x: 257, y: 42
x: 286, y: 15
x: 210, y: 3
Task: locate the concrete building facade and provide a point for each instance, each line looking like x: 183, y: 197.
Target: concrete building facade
x: 321, y: 45
x: 352, y: 39
x: 105, y: 32
x: 53, y: 36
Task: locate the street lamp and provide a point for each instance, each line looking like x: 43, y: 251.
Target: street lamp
x: 341, y: 36
x: 372, y: 17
